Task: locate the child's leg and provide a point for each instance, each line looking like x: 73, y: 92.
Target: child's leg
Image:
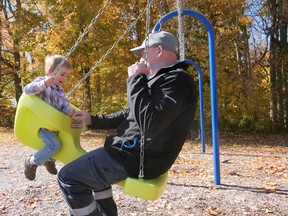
x: 52, y: 146
x: 29, y: 169
x: 51, y: 167
x: 43, y: 156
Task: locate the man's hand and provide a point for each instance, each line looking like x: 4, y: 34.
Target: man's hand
x: 71, y: 112
x: 82, y: 116
x: 49, y: 81
x: 138, y: 67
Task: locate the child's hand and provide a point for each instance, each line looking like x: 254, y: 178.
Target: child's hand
x: 49, y: 81
x: 71, y: 112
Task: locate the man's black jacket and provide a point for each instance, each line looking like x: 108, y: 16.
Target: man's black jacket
x: 162, y: 108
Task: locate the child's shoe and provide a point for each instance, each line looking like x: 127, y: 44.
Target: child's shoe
x: 50, y: 167
x: 30, y: 169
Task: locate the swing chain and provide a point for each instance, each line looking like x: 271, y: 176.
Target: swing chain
x: 107, y: 52
x: 141, y: 165
x: 180, y: 30
x: 147, y: 31
x: 161, y: 12
x: 80, y: 38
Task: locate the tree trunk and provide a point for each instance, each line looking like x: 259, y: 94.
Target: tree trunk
x: 246, y: 54
x: 278, y: 65
x: 87, y: 97
x: 273, y: 68
x: 284, y: 63
x: 17, y: 79
x: 98, y: 88
x: 1, y: 46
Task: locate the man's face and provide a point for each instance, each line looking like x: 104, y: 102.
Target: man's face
x: 151, y: 57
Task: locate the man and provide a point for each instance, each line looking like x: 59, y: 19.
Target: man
x: 161, y: 106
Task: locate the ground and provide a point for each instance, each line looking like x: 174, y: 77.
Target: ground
x: 254, y: 180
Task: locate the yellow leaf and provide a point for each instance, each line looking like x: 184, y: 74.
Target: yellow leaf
x: 213, y: 211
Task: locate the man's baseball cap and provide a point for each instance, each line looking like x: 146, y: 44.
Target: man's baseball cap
x: 158, y: 38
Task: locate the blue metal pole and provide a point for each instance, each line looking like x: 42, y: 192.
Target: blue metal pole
x: 213, y: 82
x: 201, y: 101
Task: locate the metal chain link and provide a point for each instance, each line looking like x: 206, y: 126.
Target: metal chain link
x: 80, y: 38
x: 147, y: 31
x: 180, y: 30
x: 107, y: 52
x: 161, y: 12
x: 141, y: 164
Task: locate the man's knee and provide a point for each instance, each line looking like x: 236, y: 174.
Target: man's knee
x: 63, y: 177
x: 61, y: 173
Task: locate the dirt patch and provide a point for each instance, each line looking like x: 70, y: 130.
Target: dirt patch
x: 254, y: 180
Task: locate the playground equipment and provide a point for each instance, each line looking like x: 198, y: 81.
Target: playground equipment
x: 33, y: 113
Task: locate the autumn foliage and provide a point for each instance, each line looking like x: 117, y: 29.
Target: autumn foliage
x: 251, y: 73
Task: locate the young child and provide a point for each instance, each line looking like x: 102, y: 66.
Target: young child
x: 49, y: 89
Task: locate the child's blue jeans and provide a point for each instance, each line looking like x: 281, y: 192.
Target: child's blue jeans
x: 52, y: 146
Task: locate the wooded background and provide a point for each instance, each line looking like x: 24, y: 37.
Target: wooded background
x: 251, y: 54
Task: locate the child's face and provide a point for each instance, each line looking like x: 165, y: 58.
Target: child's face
x: 61, y: 76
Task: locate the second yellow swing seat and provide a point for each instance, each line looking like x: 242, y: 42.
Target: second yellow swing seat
x: 33, y: 113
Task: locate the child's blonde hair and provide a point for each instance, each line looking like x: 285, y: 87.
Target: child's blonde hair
x: 51, y: 62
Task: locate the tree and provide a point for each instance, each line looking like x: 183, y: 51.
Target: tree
x: 245, y: 64
x: 18, y: 21
x: 278, y: 64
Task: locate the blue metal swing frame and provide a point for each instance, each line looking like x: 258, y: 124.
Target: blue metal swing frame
x: 213, y: 84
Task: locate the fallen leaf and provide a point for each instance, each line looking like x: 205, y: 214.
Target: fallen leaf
x: 213, y: 211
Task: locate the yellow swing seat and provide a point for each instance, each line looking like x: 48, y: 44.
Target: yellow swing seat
x: 148, y: 189
x: 33, y: 113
